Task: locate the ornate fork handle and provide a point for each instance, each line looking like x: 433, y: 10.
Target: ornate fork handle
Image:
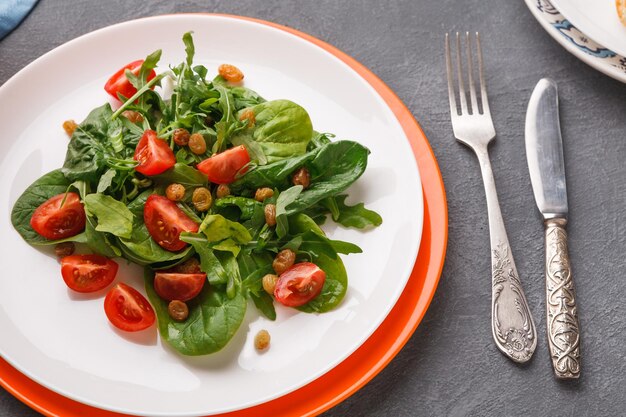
x: 512, y: 324
x: 563, y: 327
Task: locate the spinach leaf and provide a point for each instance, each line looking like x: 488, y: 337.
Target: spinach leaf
x: 209, y: 261
x: 106, y: 180
x: 99, y: 242
x: 335, y: 167
x: 89, y: 147
x: 113, y: 216
x: 217, y: 228
x: 274, y: 175
x: 353, y: 216
x: 282, y: 128
x: 213, y: 319
x: 253, y: 267
x: 47, y: 186
x: 244, y: 97
x: 285, y: 199
x: 183, y: 174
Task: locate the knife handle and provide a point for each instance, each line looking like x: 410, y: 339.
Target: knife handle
x: 562, y: 317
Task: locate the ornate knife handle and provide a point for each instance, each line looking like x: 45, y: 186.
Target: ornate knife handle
x: 563, y: 327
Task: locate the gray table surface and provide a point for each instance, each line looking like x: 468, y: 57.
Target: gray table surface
x: 451, y: 366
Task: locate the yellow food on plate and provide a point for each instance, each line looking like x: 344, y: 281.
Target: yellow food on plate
x: 621, y: 10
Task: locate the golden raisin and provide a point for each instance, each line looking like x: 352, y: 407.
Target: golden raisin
x: 301, y: 177
x: 270, y: 214
x: 64, y: 249
x: 283, y: 260
x: 269, y: 283
x: 197, y: 144
x: 222, y: 191
x: 133, y: 116
x: 248, y: 114
x: 69, y: 126
x: 178, y: 310
x: 202, y: 199
x: 230, y: 73
x: 175, y: 192
x: 262, y: 193
x: 181, y: 136
x: 262, y: 340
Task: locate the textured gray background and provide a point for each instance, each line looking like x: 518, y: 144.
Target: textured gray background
x: 451, y: 366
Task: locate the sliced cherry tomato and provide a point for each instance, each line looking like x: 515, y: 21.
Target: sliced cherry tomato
x: 88, y: 273
x: 221, y: 168
x: 175, y: 286
x: 153, y: 154
x: 127, y: 309
x: 118, y: 83
x: 55, y: 221
x: 165, y: 222
x: 299, y: 284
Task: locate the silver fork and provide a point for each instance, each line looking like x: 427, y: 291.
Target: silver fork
x: 512, y: 324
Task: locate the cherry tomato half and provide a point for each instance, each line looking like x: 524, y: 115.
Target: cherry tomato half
x: 127, y: 309
x: 165, y: 222
x: 88, y: 273
x: 299, y: 284
x: 221, y: 168
x: 175, y: 286
x: 153, y: 154
x: 55, y: 221
x: 118, y: 83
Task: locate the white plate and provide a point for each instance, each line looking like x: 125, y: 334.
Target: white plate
x: 64, y: 341
x: 597, y: 19
x: 577, y: 42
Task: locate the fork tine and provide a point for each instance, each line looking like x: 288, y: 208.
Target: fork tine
x: 470, y: 74
x: 453, y: 108
x: 483, y: 88
x: 460, y: 75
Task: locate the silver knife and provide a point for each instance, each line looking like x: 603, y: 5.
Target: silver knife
x: 544, y: 150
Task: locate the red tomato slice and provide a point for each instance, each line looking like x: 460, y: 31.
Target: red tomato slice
x: 299, y: 284
x: 118, y: 83
x: 165, y: 222
x: 153, y: 154
x: 174, y: 286
x: 127, y: 309
x: 55, y: 221
x: 221, y: 168
x: 88, y: 273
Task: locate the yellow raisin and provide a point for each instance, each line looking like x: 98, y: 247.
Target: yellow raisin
x: 270, y: 214
x: 175, y: 192
x: 262, y: 193
x: 301, y: 177
x: 269, y: 283
x: 230, y: 73
x: 181, y: 136
x: 262, y: 340
x: 133, y: 116
x: 178, y: 310
x: 197, y: 144
x: 222, y: 191
x: 69, y: 126
x: 248, y: 114
x: 202, y: 199
x: 283, y: 260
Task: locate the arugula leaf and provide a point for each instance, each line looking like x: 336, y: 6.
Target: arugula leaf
x: 190, y: 49
x: 99, y: 242
x: 106, y: 180
x: 214, y: 317
x: 113, y: 216
x: 209, y: 261
x: 253, y: 267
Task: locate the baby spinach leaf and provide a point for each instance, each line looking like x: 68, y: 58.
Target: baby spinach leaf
x: 99, y: 242
x: 282, y: 128
x: 47, y: 186
x: 335, y: 167
x: 184, y: 174
x: 275, y: 175
x: 113, y: 216
x: 284, y: 200
x: 248, y: 206
x: 253, y: 267
x: 209, y: 262
x: 213, y: 319
x: 354, y: 216
x: 89, y: 147
x: 218, y: 228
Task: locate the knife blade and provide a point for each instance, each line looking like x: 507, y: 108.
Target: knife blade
x: 544, y: 152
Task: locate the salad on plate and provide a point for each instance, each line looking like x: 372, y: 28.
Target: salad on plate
x: 217, y: 192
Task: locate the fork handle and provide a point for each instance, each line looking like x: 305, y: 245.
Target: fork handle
x: 512, y: 324
x: 563, y: 327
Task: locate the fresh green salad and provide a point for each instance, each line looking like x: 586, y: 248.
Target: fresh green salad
x: 216, y: 191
